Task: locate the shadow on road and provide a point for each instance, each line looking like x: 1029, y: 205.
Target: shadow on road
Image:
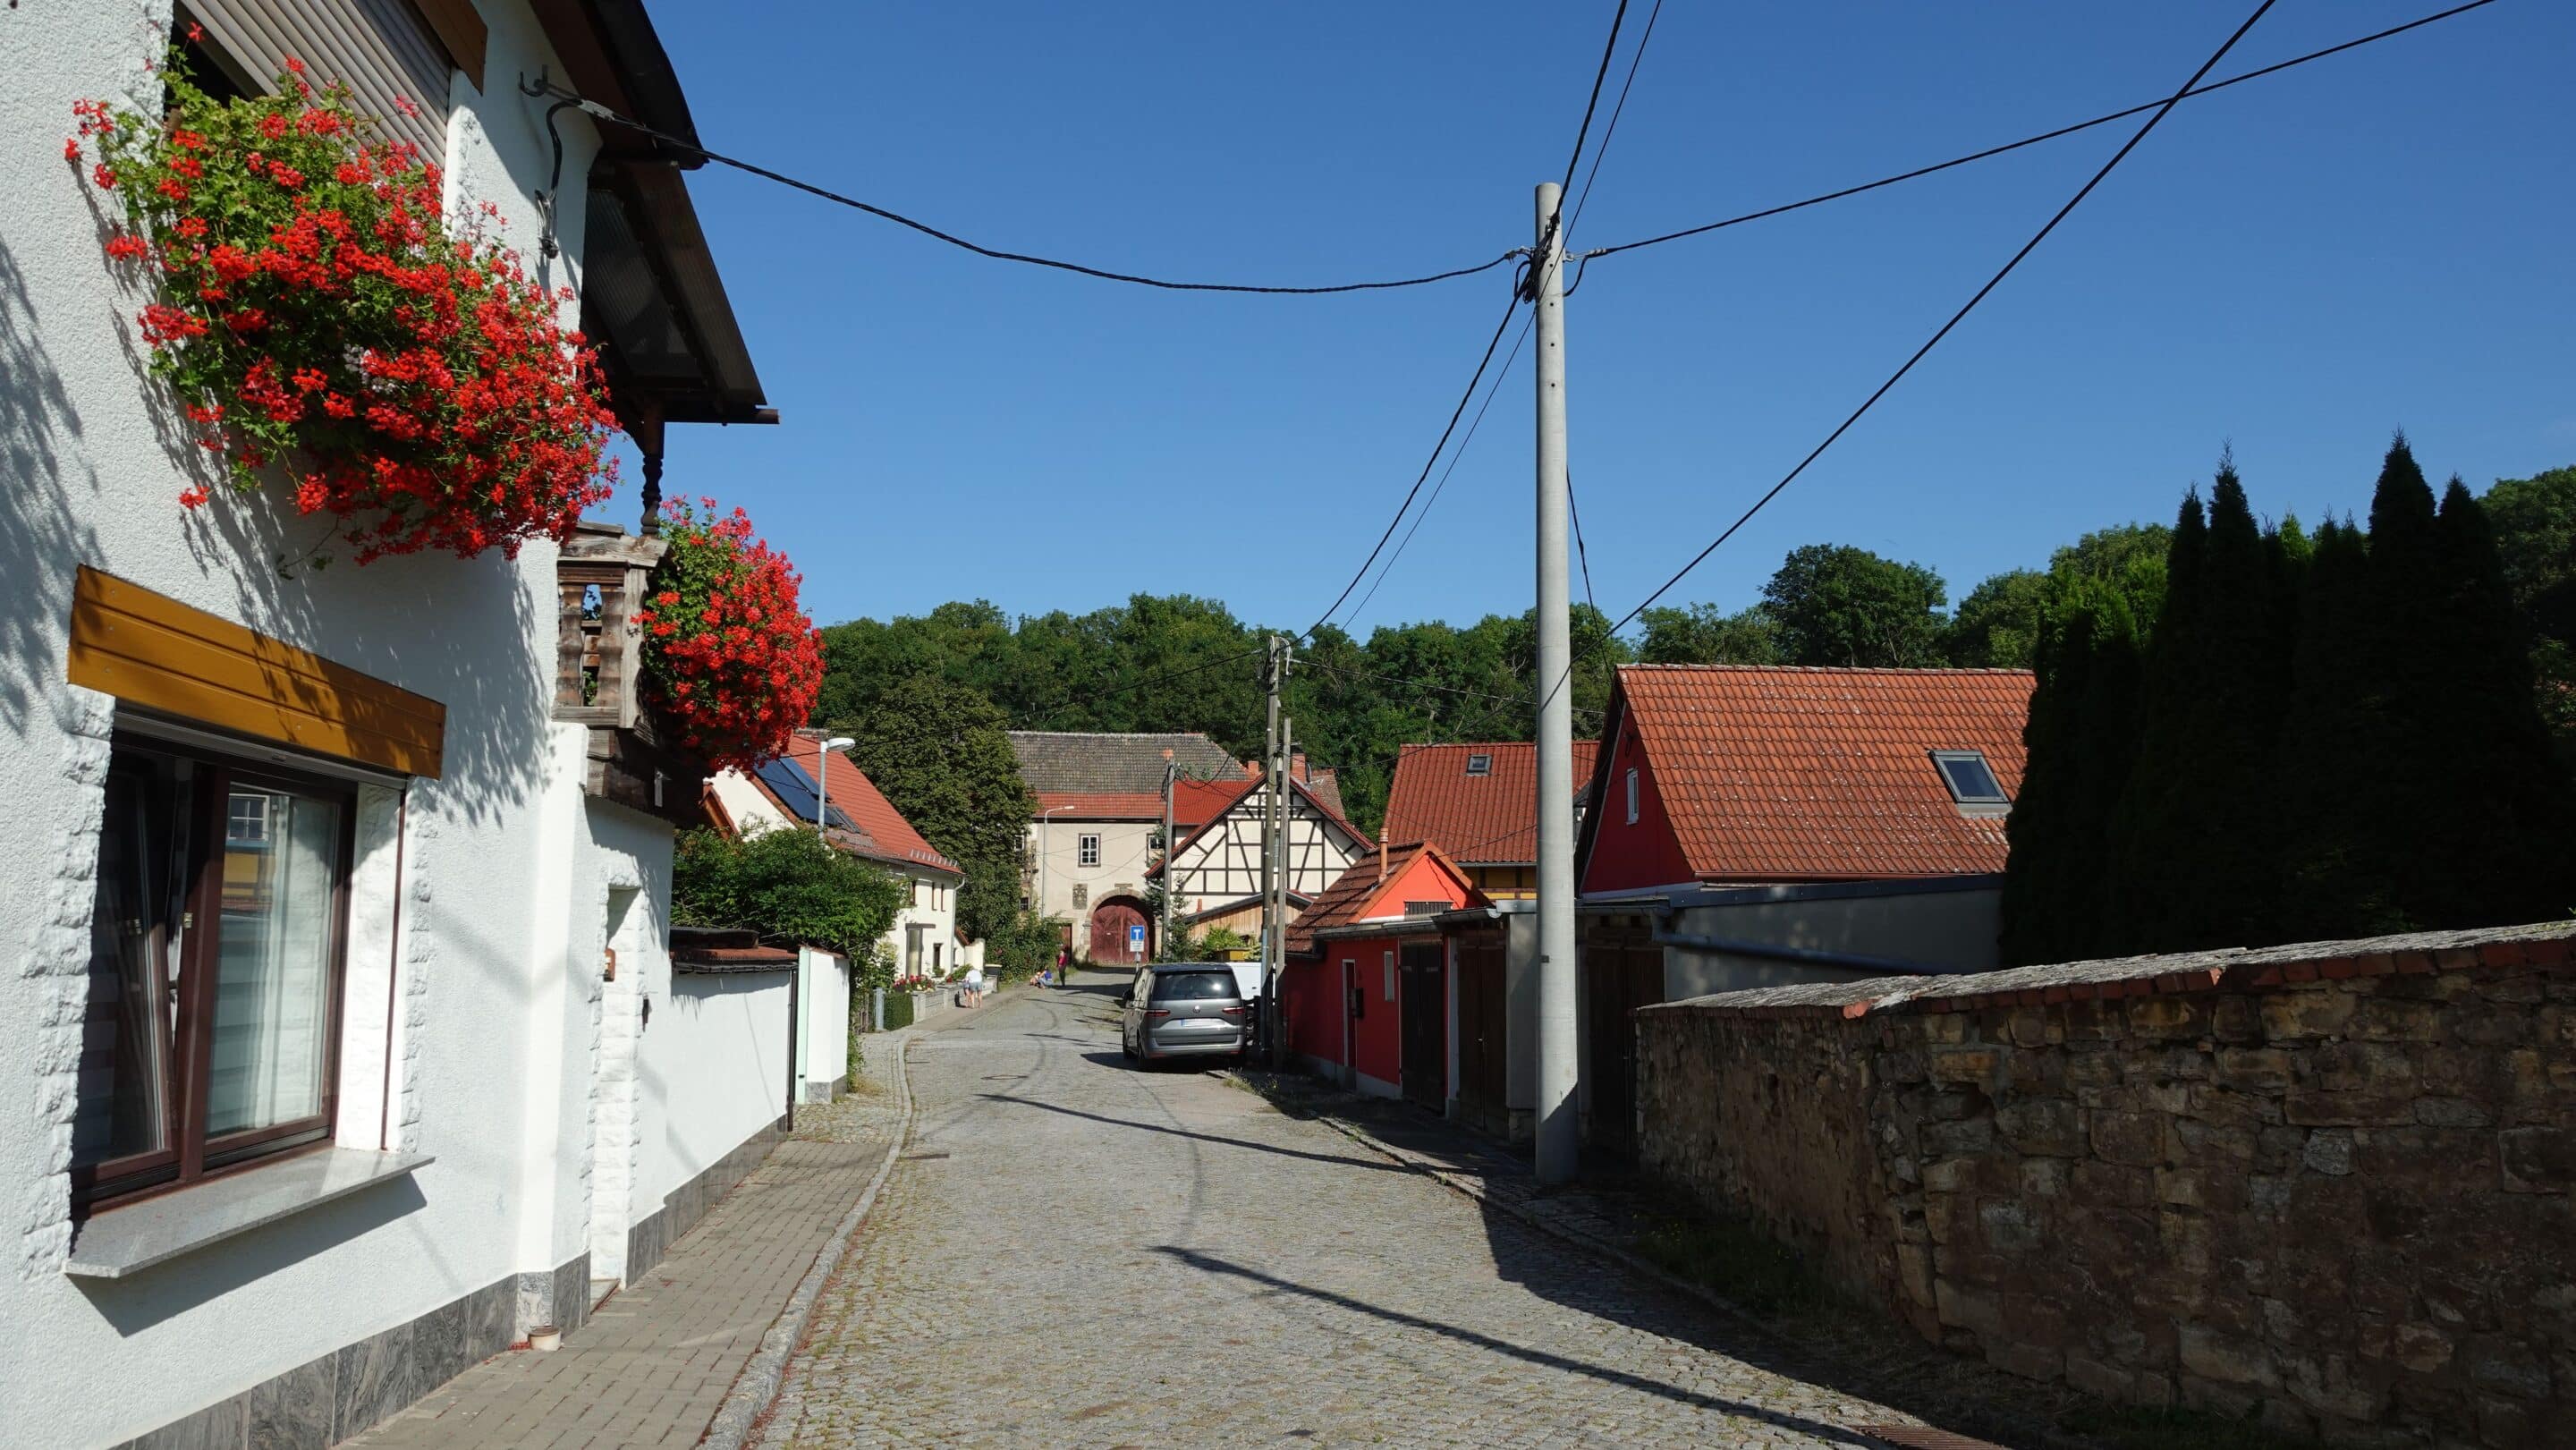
x: 1337, y: 1160
x: 1208, y: 1263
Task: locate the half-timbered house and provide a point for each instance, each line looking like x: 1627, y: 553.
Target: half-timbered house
x: 1214, y: 875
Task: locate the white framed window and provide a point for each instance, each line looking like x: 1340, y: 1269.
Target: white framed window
x: 1632, y: 795
x: 1087, y: 849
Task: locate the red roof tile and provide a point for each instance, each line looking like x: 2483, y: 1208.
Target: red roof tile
x: 1780, y: 773
x: 1483, y: 820
x: 880, y: 829
x: 1352, y: 895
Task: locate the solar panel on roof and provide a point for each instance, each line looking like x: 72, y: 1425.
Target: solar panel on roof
x: 795, y: 789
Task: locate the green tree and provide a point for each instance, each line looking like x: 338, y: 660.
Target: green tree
x: 786, y: 885
x: 2535, y: 529
x: 1703, y: 634
x: 939, y: 752
x: 2335, y: 876
x: 1837, y: 605
x: 2498, y: 849
x: 2081, y: 743
x: 2152, y: 888
x: 1998, y: 623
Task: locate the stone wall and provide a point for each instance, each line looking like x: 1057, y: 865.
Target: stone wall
x: 2329, y: 1183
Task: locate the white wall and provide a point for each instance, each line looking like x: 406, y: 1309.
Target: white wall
x: 1126, y: 849
x: 90, y: 470
x: 714, y: 1072
x: 931, y: 905
x: 823, y: 1001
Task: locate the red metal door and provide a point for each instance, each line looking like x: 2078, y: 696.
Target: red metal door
x: 1117, y: 933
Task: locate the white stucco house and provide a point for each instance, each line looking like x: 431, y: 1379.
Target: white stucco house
x: 924, y: 939
x: 348, y: 1044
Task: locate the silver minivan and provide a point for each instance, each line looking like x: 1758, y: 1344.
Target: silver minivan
x: 1185, y: 1009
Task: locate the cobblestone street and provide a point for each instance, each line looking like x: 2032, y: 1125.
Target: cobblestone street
x: 1076, y: 1252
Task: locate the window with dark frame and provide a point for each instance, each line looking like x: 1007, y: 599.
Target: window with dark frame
x: 217, y: 946
x: 1480, y: 764
x: 1632, y: 795
x: 1970, y: 780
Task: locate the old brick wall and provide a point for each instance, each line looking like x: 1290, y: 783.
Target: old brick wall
x: 2328, y: 1183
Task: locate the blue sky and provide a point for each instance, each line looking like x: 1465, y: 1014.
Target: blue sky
x: 2294, y: 266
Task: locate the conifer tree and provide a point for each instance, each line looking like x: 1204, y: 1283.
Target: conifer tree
x: 2081, y: 741
x: 2193, y: 837
x: 2497, y: 850
x: 2337, y: 876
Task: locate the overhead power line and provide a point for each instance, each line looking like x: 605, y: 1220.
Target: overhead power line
x: 1993, y: 151
x: 1609, y: 48
x: 1957, y: 317
x: 1442, y: 486
x: 1644, y: 38
x: 600, y: 112
x: 1512, y: 303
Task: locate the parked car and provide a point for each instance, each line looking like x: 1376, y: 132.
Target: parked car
x: 1184, y: 1009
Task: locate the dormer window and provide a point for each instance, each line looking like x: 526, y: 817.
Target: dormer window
x: 1971, y: 781
x: 1480, y: 763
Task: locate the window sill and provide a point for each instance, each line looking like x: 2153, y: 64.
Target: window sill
x: 121, y: 1242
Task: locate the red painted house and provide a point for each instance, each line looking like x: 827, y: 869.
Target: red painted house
x: 1761, y: 825
x: 1366, y: 992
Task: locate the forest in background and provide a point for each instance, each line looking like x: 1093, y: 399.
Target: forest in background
x: 1183, y: 662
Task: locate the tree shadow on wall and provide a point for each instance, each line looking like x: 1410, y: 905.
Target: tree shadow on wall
x: 48, y: 495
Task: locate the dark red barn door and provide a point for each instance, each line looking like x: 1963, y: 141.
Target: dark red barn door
x: 1117, y: 933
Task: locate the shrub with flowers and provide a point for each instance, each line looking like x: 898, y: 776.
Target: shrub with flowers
x: 729, y: 657
x: 317, y: 309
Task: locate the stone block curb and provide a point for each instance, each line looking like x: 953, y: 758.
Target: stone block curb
x: 756, y: 1387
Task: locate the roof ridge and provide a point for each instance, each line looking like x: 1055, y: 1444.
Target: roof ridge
x: 1827, y: 669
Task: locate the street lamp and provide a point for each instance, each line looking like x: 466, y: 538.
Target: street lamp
x: 823, y: 781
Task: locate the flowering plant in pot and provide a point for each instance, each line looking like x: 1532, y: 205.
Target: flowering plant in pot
x: 730, y: 659
x: 317, y: 309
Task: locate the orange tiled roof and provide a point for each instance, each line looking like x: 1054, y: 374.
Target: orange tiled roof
x: 1351, y: 895
x: 1774, y: 773
x: 1482, y: 820
x: 1094, y: 805
x: 880, y: 829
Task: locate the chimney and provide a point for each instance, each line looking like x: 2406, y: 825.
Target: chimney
x: 1381, y: 853
x: 1297, y: 766
x: 1254, y: 768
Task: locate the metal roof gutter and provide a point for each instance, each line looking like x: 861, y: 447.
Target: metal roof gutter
x: 1810, y: 957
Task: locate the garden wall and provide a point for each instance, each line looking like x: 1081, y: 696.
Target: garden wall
x: 2328, y: 1183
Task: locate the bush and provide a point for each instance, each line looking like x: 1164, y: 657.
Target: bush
x: 787, y: 886
x: 898, y: 1011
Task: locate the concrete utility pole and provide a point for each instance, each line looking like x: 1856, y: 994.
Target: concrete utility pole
x: 1560, y: 1126
x: 1171, y: 768
x: 1274, y: 927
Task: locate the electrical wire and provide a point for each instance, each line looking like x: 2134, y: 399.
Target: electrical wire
x: 1644, y: 38
x: 1509, y: 306
x: 600, y: 112
x: 1955, y: 318
x: 1609, y: 48
x: 1993, y: 151
x: 1438, y: 488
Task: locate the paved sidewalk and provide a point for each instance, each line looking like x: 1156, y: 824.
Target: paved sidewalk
x: 653, y: 1365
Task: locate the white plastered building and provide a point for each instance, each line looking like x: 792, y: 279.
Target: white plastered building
x: 321, y: 1088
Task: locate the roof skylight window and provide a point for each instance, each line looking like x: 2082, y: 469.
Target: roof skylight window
x: 1971, y: 781
x: 1480, y: 763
